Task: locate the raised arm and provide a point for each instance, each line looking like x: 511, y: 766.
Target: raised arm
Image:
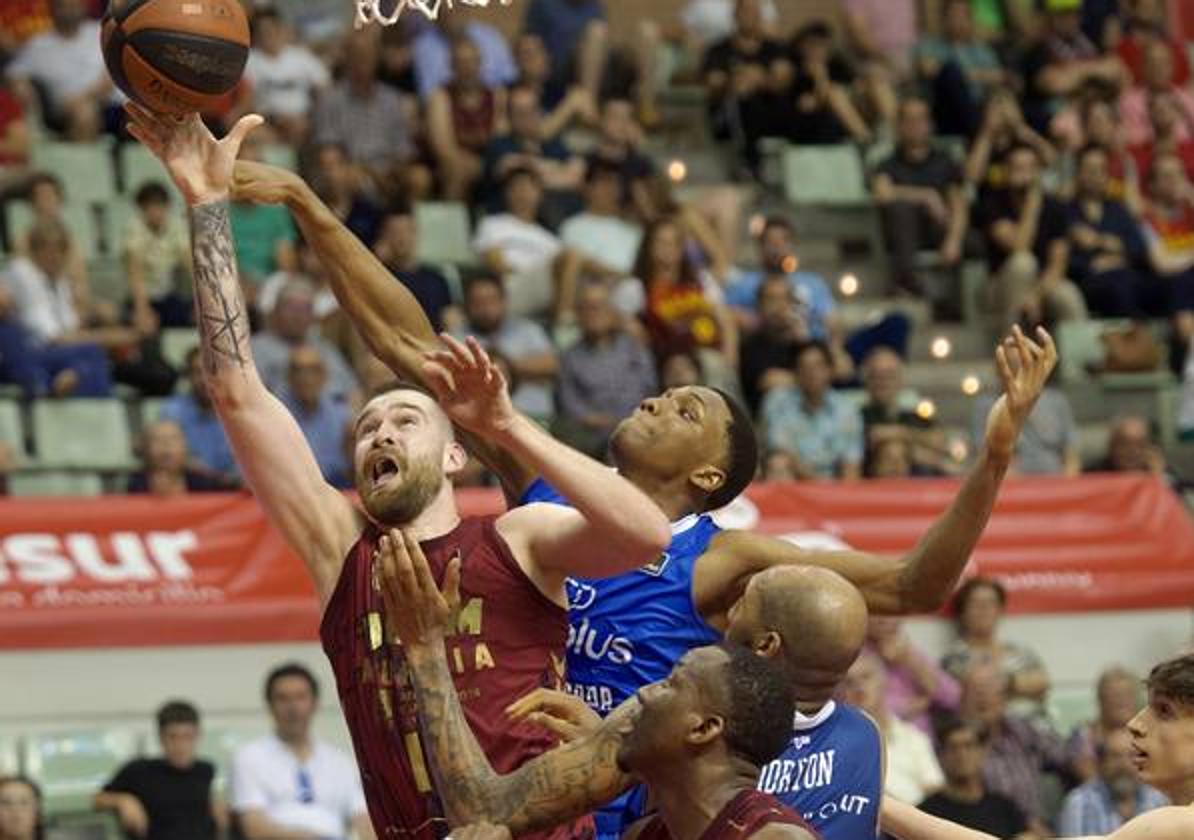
x: 385, y: 313
x: 612, y: 527
x: 316, y: 519
x: 923, y: 579
x: 562, y: 784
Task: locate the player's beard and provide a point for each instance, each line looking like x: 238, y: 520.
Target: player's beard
x: 422, y: 479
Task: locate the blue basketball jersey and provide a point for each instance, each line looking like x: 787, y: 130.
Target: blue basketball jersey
x: 831, y: 773
x: 628, y: 631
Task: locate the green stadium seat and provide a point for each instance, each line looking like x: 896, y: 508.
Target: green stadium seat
x: 84, y: 826
x: 280, y: 155
x: 1071, y: 706
x: 445, y: 233
x: 829, y: 176
x: 10, y: 755
x: 55, y: 483
x: 176, y: 343
x: 151, y: 409
x: 107, y: 279
x: 85, y: 169
x: 117, y: 214
x: 79, y: 219
x: 138, y: 166
x: 1079, y: 343
x: 12, y: 427
x: 82, y: 434
x: 72, y: 765
x: 219, y: 746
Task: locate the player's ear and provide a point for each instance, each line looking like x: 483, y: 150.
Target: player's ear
x: 706, y: 729
x: 455, y: 458
x: 708, y: 478
x: 768, y: 644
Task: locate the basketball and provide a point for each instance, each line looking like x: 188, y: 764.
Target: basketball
x: 175, y: 56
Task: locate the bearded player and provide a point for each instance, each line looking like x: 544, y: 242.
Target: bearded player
x: 692, y: 450
x: 513, y: 624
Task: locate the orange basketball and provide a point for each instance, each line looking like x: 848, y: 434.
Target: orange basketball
x: 175, y: 56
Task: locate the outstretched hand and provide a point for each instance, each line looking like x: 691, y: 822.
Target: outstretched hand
x: 417, y: 611
x: 1024, y: 368
x: 469, y: 386
x: 199, y: 164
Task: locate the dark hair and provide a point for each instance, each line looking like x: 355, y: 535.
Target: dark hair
x: 817, y: 28
x: 813, y: 344
x: 642, y: 262
x: 39, y: 178
x: 780, y: 222
x: 1174, y: 679
x: 600, y: 167
x: 520, y: 172
x: 758, y: 722
x: 951, y: 724
x: 152, y: 192
x: 482, y: 278
x: 742, y: 454
x: 261, y: 15
x: 1020, y: 146
x: 1088, y: 150
x: 290, y: 669
x: 967, y: 589
x: 39, y: 827
x: 177, y: 711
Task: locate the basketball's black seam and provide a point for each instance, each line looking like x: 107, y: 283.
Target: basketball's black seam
x: 147, y: 42
x: 114, y: 58
x: 121, y: 14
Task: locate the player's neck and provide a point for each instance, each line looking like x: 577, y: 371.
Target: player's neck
x: 675, y: 502
x: 691, y: 799
x: 1181, y: 793
x: 438, y: 518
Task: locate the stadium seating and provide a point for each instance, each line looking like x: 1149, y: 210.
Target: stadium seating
x: 79, y: 218
x: 10, y: 756
x: 219, y: 746
x: 72, y: 765
x: 445, y: 233
x: 138, y: 166
x: 55, y: 483
x: 176, y: 343
x: 85, y: 169
x: 107, y: 444
x: 12, y: 427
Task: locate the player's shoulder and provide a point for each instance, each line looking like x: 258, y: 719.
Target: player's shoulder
x: 1175, y: 822
x: 783, y: 831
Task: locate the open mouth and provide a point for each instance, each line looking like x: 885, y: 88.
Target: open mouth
x: 384, y: 469
x: 1139, y: 757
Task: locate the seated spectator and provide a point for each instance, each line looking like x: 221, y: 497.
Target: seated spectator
x: 292, y: 324
x: 432, y: 52
x: 14, y: 139
x: 1100, y: 126
x: 746, y: 78
x: 1107, y: 249
x: 1118, y: 695
x: 960, y: 68
x: 325, y: 421
x: 523, y: 344
x: 21, y: 809
x: 1143, y: 25
x: 1132, y: 448
x: 1028, y: 247
x: 884, y: 419
x: 768, y: 353
x: 47, y: 201
x: 192, y: 412
x: 1003, y: 128
x: 308, y: 270
x: 1158, y: 80
x: 811, y: 431
x: 576, y: 36
x: 564, y: 106
x: 1169, y: 232
x: 397, y: 247
x: 1102, y: 805
x: 680, y: 307
x: 167, y: 470
x: 966, y: 798
x: 601, y: 233
x: 61, y: 75
x: 603, y: 377
x: 539, y: 274
x: 820, y: 111
x: 1167, y: 123
x: 263, y: 234
x: 619, y: 143
x: 978, y: 607
x: 528, y: 146
x: 462, y: 117
x: 1061, y: 63
x: 1017, y: 751
x: 890, y: 458
x: 881, y: 32
x: 911, y: 771
x: 291, y: 783
x: 914, y: 685
x: 1048, y: 444
x: 157, y: 261
x: 919, y: 193
x: 345, y: 190
x: 367, y: 119
x: 286, y: 77
x: 172, y: 796
x: 704, y: 22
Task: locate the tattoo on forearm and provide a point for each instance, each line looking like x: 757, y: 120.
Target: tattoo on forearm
x: 223, y: 321
x: 562, y: 784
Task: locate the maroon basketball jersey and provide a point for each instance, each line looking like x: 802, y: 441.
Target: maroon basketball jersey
x: 742, y: 816
x: 508, y: 641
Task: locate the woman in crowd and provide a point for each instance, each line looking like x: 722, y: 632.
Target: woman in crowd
x: 20, y: 809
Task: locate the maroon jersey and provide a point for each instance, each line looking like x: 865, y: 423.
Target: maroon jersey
x: 508, y: 641
x: 742, y: 816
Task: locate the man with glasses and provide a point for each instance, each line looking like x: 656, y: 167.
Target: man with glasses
x: 289, y: 785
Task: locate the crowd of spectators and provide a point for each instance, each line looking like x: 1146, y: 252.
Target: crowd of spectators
x: 1050, y: 140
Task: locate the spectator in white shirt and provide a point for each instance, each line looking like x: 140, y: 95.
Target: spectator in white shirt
x: 539, y: 273
x: 601, y: 234
x: 285, y: 77
x: 289, y: 783
x: 64, y: 70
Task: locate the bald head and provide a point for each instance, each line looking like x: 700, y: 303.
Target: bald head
x: 817, y: 617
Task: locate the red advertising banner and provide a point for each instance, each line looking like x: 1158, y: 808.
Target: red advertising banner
x: 209, y: 570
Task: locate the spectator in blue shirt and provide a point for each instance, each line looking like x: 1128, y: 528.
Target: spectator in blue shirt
x: 1103, y: 804
x: 205, y: 436
x: 325, y: 421
x: 433, y: 53
x: 960, y: 68
x: 576, y: 37
x: 812, y: 432
x: 1107, y: 248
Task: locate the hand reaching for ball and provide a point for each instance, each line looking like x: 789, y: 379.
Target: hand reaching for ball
x: 198, y: 163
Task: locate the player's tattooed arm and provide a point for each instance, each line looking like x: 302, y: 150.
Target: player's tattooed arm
x: 223, y: 321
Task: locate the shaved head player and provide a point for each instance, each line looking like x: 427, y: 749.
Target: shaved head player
x: 691, y: 450
x: 512, y: 627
